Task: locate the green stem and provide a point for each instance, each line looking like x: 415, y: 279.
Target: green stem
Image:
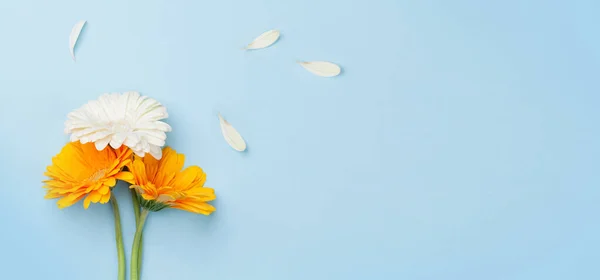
x: 119, y: 238
x: 135, y: 251
x: 136, y: 211
x: 136, y: 205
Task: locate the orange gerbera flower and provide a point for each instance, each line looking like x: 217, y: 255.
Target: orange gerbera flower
x: 162, y: 183
x: 79, y: 171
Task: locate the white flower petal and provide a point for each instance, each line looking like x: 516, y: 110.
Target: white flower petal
x: 156, y: 152
x: 155, y: 141
x: 102, y: 143
x: 117, y: 140
x: 131, y: 140
x: 162, y: 126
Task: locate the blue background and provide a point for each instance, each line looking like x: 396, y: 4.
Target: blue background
x: 460, y: 142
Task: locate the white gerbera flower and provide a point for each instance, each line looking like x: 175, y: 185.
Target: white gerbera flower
x: 121, y: 119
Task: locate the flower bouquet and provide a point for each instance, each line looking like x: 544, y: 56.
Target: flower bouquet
x: 122, y: 137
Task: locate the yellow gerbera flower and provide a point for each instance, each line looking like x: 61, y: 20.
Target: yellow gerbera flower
x: 162, y: 183
x: 79, y: 171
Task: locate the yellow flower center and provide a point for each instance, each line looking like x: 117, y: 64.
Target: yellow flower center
x: 97, y: 175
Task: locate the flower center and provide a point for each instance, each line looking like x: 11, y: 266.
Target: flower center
x: 97, y: 175
x: 120, y: 127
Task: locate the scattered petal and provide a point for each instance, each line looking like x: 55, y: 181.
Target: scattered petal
x: 74, y: 36
x: 264, y: 40
x: 233, y: 138
x: 321, y: 68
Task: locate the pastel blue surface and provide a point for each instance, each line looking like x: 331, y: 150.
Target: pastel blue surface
x: 461, y: 141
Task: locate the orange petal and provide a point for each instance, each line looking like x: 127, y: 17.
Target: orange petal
x: 171, y: 163
x: 138, y: 169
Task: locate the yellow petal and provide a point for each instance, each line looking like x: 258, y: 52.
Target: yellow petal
x: 147, y: 196
x: 111, y: 182
x: 125, y: 176
x: 202, y: 194
x: 104, y: 190
x: 170, y: 164
x: 191, y: 177
x: 69, y: 200
x: 56, y: 183
x: 50, y: 195
x: 199, y: 208
x: 105, y: 198
x: 86, y: 202
x: 95, y: 196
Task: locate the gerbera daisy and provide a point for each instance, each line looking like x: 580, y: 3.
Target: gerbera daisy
x: 79, y: 171
x: 121, y: 119
x: 163, y: 183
